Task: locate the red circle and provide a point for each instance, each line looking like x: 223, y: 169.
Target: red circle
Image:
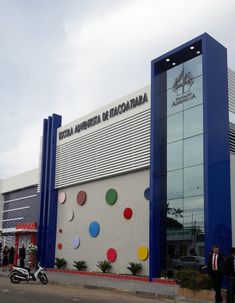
x: 81, y: 197
x: 59, y: 246
x: 127, y: 213
x: 111, y: 255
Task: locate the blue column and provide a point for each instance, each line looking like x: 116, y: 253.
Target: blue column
x: 217, y: 201
x: 216, y: 146
x: 157, y: 223
x: 48, y: 193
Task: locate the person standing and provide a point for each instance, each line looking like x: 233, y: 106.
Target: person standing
x: 22, y: 254
x: 0, y: 254
x: 11, y: 257
x: 214, y: 265
x: 5, y: 253
x: 229, y: 272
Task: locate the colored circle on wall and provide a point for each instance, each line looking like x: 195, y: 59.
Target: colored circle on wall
x: 62, y: 197
x: 127, y: 213
x: 143, y: 253
x: 70, y: 215
x: 60, y: 231
x: 94, y: 229
x: 147, y: 193
x: 75, y: 242
x: 59, y: 245
x: 111, y: 196
x: 81, y: 197
x: 111, y: 255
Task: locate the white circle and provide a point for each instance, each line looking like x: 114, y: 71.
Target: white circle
x: 70, y: 215
x: 62, y: 197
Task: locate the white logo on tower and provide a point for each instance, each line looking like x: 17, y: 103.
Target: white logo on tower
x: 182, y: 86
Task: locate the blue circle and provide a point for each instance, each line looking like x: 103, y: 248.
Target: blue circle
x: 147, y: 193
x: 94, y: 229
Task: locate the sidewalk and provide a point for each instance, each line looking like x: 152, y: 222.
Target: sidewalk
x: 159, y: 289
x: 108, y: 282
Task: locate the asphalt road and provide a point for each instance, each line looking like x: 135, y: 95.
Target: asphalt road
x: 35, y: 292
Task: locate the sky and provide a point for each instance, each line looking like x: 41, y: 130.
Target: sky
x: 71, y: 57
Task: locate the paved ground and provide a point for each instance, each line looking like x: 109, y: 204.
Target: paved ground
x: 111, y: 288
x: 150, y: 288
x: 35, y: 292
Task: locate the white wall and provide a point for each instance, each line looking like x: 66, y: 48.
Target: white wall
x: 19, y: 181
x: 126, y: 236
x: 232, y: 180
x: 1, y: 209
x: 231, y: 90
x: 109, y: 121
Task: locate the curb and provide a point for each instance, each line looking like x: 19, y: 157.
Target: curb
x: 112, y: 276
x: 143, y: 294
x: 106, y: 288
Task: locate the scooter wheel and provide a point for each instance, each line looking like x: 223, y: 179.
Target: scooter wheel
x: 14, y: 278
x: 43, y: 278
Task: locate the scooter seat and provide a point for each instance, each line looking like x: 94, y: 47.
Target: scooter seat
x: 27, y: 268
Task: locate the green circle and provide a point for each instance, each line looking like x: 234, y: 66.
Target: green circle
x: 111, y: 196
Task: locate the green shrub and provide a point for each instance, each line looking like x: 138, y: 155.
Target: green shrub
x: 80, y: 265
x: 170, y: 274
x: 193, y: 279
x: 167, y: 274
x: 60, y: 262
x: 104, y: 265
x: 134, y: 268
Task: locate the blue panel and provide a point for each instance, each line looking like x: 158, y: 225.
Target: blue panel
x: 216, y: 146
x: 216, y: 149
x: 53, y: 195
x: 42, y: 192
x: 157, y: 230
x: 48, y: 193
x: 158, y: 205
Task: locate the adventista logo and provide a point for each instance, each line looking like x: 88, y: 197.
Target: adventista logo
x: 181, y: 87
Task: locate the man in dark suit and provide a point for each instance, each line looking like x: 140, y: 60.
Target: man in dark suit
x: 229, y: 272
x: 215, y: 260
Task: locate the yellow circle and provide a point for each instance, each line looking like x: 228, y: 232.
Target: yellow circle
x: 143, y: 253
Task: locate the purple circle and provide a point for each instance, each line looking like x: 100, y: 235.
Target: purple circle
x: 76, y: 242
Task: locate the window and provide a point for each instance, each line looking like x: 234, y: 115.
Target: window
x: 193, y: 121
x: 175, y: 184
x: 193, y: 181
x: 175, y: 155
x: 175, y: 127
x: 193, y: 151
x: 194, y: 96
x: 194, y: 66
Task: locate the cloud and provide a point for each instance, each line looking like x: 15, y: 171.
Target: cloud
x: 24, y: 153
x: 74, y: 57
x: 108, y: 54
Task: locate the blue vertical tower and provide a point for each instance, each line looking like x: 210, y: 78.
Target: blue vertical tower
x: 216, y: 155
x: 48, y: 193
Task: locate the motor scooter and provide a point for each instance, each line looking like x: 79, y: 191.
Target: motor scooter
x: 19, y: 274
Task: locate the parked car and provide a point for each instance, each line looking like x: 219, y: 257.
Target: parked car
x: 195, y: 262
